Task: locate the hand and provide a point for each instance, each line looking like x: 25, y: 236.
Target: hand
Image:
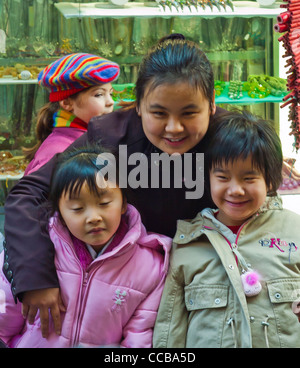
x: 43, y: 299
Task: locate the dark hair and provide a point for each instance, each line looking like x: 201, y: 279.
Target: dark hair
x: 77, y: 167
x: 175, y: 59
x: 240, y: 135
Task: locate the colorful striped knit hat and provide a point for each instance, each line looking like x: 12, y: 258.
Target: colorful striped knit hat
x: 75, y: 72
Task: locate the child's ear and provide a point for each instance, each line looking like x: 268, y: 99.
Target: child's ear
x: 66, y: 104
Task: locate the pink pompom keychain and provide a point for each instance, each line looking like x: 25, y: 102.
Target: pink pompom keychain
x: 251, y: 283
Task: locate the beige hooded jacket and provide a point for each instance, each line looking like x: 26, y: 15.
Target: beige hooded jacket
x: 204, y: 304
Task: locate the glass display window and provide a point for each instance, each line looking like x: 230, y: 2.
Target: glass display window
x: 239, y: 42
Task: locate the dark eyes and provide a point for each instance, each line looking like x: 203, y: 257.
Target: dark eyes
x: 102, y: 204
x: 77, y: 209
x: 101, y: 94
x: 222, y: 177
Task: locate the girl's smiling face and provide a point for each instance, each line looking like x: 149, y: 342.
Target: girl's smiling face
x: 238, y: 189
x: 175, y: 117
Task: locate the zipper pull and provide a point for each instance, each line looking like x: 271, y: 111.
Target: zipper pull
x: 85, y: 278
x: 234, y: 246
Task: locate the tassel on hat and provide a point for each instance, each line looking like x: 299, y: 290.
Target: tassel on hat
x: 75, y: 72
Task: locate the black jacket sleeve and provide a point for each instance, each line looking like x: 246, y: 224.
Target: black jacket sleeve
x: 29, y: 253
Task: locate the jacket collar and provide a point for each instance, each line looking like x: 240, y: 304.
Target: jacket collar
x: 189, y: 230
x: 131, y: 217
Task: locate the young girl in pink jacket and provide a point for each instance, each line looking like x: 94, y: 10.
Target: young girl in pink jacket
x: 111, y: 271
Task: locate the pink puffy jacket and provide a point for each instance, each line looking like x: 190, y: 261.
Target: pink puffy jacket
x: 113, y: 302
x: 56, y: 142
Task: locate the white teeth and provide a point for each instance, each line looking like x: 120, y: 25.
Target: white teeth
x: 174, y: 140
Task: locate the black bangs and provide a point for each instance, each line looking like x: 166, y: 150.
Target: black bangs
x: 75, y: 168
x: 235, y: 143
x: 71, y: 174
x: 172, y: 61
x: 74, y: 173
x: 241, y: 135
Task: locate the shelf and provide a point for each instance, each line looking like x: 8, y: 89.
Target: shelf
x: 245, y: 9
x: 6, y: 81
x: 245, y: 100
x: 4, y: 177
x: 251, y: 54
x: 222, y: 99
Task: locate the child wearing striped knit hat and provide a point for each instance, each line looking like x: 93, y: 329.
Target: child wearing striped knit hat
x: 79, y: 87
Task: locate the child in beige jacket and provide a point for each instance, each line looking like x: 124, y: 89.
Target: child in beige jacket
x: 234, y: 279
